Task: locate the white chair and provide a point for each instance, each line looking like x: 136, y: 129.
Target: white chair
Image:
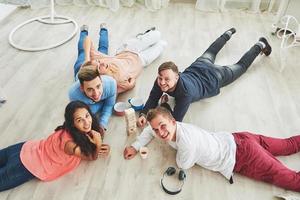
x: 289, y: 35
x: 52, y: 19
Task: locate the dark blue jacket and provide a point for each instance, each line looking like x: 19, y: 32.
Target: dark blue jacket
x: 196, y: 82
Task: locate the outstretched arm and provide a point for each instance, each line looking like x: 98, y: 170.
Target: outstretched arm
x: 143, y: 139
x: 152, y: 102
x: 153, y: 99
x: 181, y: 107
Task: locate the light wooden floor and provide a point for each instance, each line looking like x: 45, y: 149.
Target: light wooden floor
x: 264, y: 100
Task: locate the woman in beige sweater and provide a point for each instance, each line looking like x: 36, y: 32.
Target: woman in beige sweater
x: 130, y: 58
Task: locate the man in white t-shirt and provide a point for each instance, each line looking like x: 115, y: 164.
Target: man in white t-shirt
x: 249, y: 154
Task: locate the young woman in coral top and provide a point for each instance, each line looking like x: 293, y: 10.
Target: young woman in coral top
x: 47, y: 159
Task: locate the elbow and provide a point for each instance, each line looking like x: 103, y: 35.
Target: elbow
x: 184, y: 165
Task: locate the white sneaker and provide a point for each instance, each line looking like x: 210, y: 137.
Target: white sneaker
x: 84, y: 27
x: 103, y: 25
x: 2, y: 97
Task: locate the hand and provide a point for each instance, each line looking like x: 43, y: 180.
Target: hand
x: 102, y: 67
x: 104, y: 150
x: 102, y: 131
x: 129, y: 153
x: 94, y: 137
x: 141, y: 121
x: 95, y: 62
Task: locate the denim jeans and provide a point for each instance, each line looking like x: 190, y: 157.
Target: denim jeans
x: 12, y: 171
x: 102, y: 47
x: 228, y: 74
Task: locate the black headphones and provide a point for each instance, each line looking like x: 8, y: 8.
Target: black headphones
x: 169, y: 172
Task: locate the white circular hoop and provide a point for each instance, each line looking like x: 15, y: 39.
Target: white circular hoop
x: 50, y: 22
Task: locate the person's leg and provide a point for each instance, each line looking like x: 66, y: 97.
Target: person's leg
x: 276, y: 146
x: 3, y: 157
x: 141, y: 43
x: 81, y: 54
x: 150, y: 54
x: 253, y: 161
x: 210, y: 54
x: 6, y: 153
x: 230, y: 73
x: 103, y: 39
x: 13, y: 173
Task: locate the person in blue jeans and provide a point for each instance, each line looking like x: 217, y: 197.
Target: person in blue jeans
x: 98, y: 92
x: 102, y: 45
x: 79, y: 138
x: 202, y: 79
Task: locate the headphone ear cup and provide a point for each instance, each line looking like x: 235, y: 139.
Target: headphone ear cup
x: 181, y: 175
x: 170, y: 171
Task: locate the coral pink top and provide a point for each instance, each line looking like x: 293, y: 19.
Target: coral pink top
x: 46, y: 159
x: 121, y: 67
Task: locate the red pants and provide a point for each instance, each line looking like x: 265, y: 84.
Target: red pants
x: 255, y: 158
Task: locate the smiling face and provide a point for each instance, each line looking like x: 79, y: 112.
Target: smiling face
x: 167, y: 80
x: 82, y: 120
x: 164, y: 127
x: 93, y: 89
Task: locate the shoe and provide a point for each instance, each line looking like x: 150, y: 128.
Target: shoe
x: 151, y: 29
x: 230, y: 32
x: 84, y: 28
x: 103, y: 25
x: 148, y: 30
x: 164, y: 99
x: 268, y: 49
x: 2, y: 100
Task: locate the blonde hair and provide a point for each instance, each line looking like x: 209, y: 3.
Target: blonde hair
x: 152, y: 113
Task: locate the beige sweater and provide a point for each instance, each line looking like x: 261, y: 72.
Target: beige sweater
x: 121, y: 67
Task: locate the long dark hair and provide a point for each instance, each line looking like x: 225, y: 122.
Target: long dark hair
x: 86, y: 147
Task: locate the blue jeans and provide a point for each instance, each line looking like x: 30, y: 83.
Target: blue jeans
x: 12, y: 171
x: 228, y: 74
x: 102, y: 47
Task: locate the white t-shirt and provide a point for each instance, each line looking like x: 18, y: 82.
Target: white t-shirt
x: 213, y: 151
